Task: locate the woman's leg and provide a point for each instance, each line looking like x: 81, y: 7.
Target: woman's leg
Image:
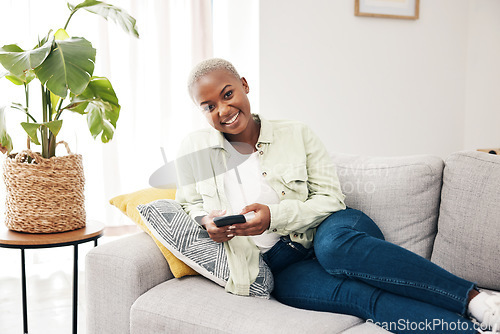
x: 349, y: 244
x: 305, y: 284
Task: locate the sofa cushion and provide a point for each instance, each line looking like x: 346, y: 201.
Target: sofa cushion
x: 127, y: 203
x: 181, y: 235
x: 468, y: 240
x: 401, y: 194
x: 195, y: 305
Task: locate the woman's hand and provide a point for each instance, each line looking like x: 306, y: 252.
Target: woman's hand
x: 255, y: 226
x: 217, y: 234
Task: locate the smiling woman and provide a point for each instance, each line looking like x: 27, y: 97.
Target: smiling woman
x: 226, y: 107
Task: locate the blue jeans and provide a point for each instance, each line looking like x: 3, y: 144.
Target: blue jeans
x: 353, y: 270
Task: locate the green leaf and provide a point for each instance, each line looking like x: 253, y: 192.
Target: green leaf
x: 116, y: 14
x: 95, y: 119
x: 99, y: 94
x: 26, y: 77
x: 15, y: 80
x: 54, y: 100
x: 98, y: 122
x: 44, y: 40
x: 54, y: 126
x: 69, y: 66
x: 61, y: 35
x: 19, y: 106
x: 78, y: 107
x: 17, y: 61
x: 5, y: 140
x: 31, y: 129
x: 107, y: 132
x: 100, y: 89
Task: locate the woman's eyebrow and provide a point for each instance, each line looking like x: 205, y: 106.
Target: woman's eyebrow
x: 221, y: 92
x: 223, y: 89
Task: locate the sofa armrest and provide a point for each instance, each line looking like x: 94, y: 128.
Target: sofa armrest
x: 117, y: 273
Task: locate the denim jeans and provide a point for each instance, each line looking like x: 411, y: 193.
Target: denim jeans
x: 353, y: 270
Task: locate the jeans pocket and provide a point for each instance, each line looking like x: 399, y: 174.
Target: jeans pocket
x: 300, y: 251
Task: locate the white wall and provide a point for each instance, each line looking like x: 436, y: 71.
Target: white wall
x: 482, y: 108
x: 383, y: 86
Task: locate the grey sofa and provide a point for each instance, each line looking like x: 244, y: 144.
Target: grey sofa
x: 447, y: 211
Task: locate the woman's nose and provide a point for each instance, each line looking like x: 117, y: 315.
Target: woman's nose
x: 224, y: 110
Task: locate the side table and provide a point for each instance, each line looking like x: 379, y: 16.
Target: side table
x: 11, y: 239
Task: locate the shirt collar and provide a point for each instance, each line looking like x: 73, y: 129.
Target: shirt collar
x: 216, y: 139
x: 266, y: 130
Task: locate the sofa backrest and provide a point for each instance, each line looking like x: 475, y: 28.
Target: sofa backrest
x: 401, y: 194
x: 468, y: 241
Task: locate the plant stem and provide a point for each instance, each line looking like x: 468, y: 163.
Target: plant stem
x: 52, y: 138
x: 43, y: 129
x: 49, y: 105
x: 69, y: 18
x: 59, y: 110
x: 26, y: 94
x: 52, y: 145
x: 27, y: 114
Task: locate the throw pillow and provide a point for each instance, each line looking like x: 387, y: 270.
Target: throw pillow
x: 400, y: 194
x: 192, y: 244
x: 468, y: 240
x: 128, y: 203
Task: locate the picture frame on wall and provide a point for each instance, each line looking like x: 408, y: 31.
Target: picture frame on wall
x: 396, y: 9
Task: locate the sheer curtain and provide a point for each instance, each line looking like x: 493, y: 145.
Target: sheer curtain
x: 149, y: 77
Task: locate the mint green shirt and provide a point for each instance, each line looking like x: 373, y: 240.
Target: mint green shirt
x: 294, y: 162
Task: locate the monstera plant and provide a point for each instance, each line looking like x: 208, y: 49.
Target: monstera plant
x: 64, y: 68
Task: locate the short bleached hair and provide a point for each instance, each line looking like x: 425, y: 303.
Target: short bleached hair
x: 208, y: 66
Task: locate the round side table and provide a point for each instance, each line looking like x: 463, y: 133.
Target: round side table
x: 11, y: 239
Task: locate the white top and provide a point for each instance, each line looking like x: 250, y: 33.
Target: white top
x: 253, y: 189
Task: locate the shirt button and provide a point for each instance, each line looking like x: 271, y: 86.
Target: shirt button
x: 283, y: 193
x: 275, y: 230
x: 296, y: 235
x: 259, y: 145
x: 264, y: 173
x: 261, y: 152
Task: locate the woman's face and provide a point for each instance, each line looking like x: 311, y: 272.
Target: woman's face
x: 223, y: 100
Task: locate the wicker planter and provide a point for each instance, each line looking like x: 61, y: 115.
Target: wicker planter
x: 44, y: 195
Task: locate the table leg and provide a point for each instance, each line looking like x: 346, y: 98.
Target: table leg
x: 75, y: 289
x: 23, y: 283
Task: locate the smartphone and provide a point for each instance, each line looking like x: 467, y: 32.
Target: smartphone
x: 229, y: 220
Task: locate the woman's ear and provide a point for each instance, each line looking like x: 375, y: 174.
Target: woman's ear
x: 245, y: 85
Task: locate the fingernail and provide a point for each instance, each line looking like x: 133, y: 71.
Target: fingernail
x: 229, y: 235
x: 231, y: 227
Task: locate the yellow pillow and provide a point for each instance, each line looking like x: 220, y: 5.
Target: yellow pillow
x: 128, y: 205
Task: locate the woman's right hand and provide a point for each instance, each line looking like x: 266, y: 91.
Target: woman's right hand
x: 217, y: 234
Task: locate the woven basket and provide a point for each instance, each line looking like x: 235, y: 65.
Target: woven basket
x: 44, y: 195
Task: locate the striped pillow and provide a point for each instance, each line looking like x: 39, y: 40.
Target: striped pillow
x: 192, y: 245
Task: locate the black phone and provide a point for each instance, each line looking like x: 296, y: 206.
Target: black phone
x: 229, y: 220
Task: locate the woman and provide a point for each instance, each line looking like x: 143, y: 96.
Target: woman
x: 323, y: 256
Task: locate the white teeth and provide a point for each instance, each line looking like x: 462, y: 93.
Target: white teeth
x: 232, y: 119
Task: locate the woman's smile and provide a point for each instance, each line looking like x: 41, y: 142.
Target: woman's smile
x: 232, y: 120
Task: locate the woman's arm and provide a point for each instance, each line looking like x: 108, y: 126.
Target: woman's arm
x: 324, y: 196
x: 324, y: 192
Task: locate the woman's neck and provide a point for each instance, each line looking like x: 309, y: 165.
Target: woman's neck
x: 250, y: 136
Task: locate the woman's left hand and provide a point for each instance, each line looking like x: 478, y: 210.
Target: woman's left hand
x: 255, y: 226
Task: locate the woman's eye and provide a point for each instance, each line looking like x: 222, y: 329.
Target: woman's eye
x: 228, y: 94
x: 208, y: 107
